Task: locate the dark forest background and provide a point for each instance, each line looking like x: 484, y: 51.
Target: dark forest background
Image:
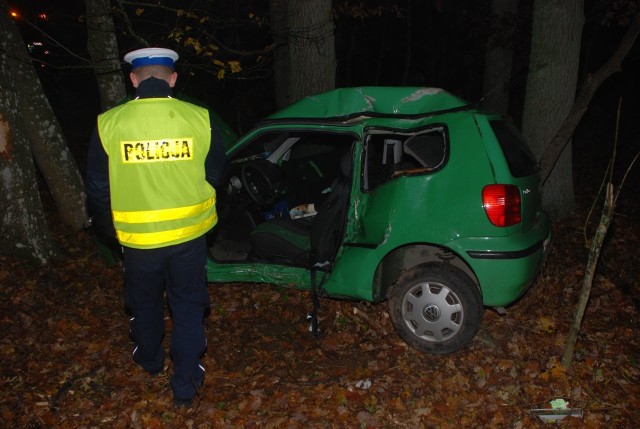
x: 378, y: 42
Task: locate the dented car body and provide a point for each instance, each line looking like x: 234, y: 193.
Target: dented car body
x: 409, y: 195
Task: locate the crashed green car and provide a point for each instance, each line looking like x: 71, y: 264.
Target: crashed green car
x: 410, y: 195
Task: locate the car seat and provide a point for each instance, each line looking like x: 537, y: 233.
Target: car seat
x: 303, y: 244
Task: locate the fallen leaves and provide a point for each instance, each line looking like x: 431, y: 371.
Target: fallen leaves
x: 65, y: 356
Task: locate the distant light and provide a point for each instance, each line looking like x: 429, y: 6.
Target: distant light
x: 43, y: 16
x: 37, y: 43
x: 14, y: 14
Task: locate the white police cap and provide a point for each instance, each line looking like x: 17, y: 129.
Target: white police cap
x: 151, y: 56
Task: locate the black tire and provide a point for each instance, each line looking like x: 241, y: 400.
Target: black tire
x: 436, y: 308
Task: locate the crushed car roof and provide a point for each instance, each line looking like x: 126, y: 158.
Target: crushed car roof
x: 345, y: 103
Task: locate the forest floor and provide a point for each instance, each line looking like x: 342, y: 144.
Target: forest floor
x: 65, y: 351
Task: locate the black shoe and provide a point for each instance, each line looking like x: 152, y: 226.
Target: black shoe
x: 182, y: 402
x: 179, y: 402
x: 154, y: 371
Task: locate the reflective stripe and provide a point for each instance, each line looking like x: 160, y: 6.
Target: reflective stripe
x: 148, y: 216
x: 150, y: 238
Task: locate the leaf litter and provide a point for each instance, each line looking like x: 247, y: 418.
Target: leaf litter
x: 65, y: 353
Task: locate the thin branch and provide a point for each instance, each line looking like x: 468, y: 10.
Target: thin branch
x: 593, y: 206
x: 129, y: 25
x: 54, y: 40
x: 615, y: 141
x: 240, y: 53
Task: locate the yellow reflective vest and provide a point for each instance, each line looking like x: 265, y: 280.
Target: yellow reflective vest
x: 157, y: 149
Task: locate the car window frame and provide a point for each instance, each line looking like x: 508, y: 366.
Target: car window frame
x: 407, y: 135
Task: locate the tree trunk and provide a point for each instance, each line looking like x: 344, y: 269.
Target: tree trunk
x: 279, y: 21
x: 24, y: 232
x: 103, y: 49
x: 311, y: 48
x: 587, y: 90
x: 42, y: 129
x: 499, y: 58
x: 551, y: 88
x: 23, y: 228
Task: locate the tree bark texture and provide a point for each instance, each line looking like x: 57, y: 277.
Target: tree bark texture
x: 278, y: 11
x: 23, y: 228
x: 551, y: 89
x: 42, y: 129
x: 499, y: 58
x: 103, y: 49
x: 311, y: 48
x: 24, y: 232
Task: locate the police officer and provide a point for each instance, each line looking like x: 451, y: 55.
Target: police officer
x: 152, y: 169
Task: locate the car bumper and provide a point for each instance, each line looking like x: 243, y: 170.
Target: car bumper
x: 505, y: 275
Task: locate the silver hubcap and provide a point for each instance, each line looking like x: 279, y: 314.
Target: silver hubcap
x: 432, y: 311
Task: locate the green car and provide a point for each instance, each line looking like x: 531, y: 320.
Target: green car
x: 410, y: 195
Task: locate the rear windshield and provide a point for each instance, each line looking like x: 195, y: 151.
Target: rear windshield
x: 519, y: 157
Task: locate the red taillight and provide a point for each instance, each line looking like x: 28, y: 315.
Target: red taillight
x: 502, y: 204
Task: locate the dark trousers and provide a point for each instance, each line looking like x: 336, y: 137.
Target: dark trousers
x: 180, y: 271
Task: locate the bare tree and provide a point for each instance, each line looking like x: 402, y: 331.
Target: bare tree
x: 611, y: 196
x: 23, y: 228
x: 551, y: 88
x: 40, y: 126
x: 105, y: 56
x: 551, y: 137
x: 587, y: 90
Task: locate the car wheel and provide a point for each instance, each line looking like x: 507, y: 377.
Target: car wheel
x: 436, y: 308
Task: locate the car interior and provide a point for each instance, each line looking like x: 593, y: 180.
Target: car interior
x: 286, y: 199
x: 288, y: 192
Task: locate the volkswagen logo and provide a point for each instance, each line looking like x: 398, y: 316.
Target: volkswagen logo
x: 431, y: 312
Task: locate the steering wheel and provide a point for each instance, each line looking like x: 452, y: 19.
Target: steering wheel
x: 263, y: 181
